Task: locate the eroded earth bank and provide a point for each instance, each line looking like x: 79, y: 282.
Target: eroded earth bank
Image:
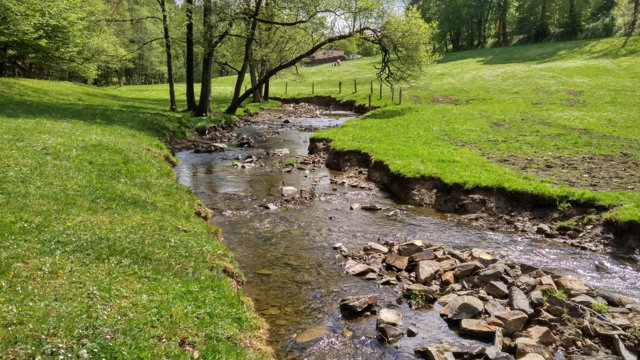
x: 342, y: 269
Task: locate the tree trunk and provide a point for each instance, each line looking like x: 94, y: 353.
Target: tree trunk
x: 266, y: 90
x: 257, y: 97
x: 503, y: 21
x: 167, y: 46
x: 191, y: 97
x: 204, y: 105
x: 247, y: 53
x: 636, y: 15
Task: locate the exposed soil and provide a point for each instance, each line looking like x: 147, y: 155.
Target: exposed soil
x: 450, y: 99
x: 596, y: 172
x: 510, y: 212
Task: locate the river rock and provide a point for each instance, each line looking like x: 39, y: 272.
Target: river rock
x: 375, y: 248
x: 358, y: 303
x: 358, y: 269
x: 622, y: 350
x: 518, y: 300
x: 541, y: 334
x: 447, y: 264
x: 525, y: 346
x: 513, y: 321
x: 434, y: 352
x: 389, y: 334
x: 536, y: 299
x: 462, y: 307
x: 466, y: 269
x: 497, y: 289
x: 574, y: 310
x: 496, y: 353
x: 526, y: 283
x: 288, y: 190
x: 355, y: 206
x: 532, y: 357
x: 614, y: 299
x: 494, y: 308
x: 493, y: 272
x: 448, y: 278
x: 546, y: 282
x: 426, y: 271
x: 478, y: 327
x: 371, y: 207
x: 572, y: 286
x: 482, y: 257
x: 397, y: 261
x: 425, y: 292
x: 389, y: 317
x: 543, y: 229
x: 584, y: 300
x: 410, y: 247
x: 312, y: 334
x: 423, y: 255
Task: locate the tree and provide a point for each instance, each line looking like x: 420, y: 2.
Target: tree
x: 167, y: 42
x: 191, y: 97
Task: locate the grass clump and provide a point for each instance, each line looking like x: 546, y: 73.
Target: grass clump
x: 102, y: 254
x: 601, y: 308
x: 555, y: 292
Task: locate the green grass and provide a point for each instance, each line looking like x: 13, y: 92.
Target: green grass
x: 537, y: 101
x: 101, y: 251
x: 601, y: 308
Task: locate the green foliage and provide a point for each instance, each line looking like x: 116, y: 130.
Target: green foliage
x: 555, y: 292
x: 601, y: 308
x: 563, y: 205
x: 291, y: 161
x: 101, y: 251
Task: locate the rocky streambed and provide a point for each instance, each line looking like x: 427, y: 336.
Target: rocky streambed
x: 523, y: 311
x: 281, y: 211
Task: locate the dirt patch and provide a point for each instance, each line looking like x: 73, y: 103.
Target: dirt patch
x: 597, y: 172
x: 286, y: 111
x: 449, y: 99
x: 575, y: 92
x: 330, y: 103
x: 495, y: 209
x: 575, y: 102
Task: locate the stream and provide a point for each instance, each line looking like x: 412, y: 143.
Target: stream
x: 294, y: 275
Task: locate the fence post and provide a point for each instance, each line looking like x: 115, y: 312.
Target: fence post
x: 380, y: 91
x: 371, y: 86
x: 369, y: 102
x: 400, y: 97
x: 355, y: 85
x: 313, y: 88
x: 286, y: 87
x: 393, y: 92
x: 340, y: 87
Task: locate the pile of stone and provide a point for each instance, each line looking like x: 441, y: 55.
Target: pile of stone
x: 523, y: 311
x: 248, y: 162
x: 355, y: 178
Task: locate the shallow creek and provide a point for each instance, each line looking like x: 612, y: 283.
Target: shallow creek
x: 293, y: 274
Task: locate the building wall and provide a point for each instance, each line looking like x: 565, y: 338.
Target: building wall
x: 328, y: 53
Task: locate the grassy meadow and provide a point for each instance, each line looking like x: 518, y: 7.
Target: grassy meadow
x: 556, y: 118
x: 102, y: 255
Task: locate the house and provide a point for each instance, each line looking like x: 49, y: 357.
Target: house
x: 327, y: 54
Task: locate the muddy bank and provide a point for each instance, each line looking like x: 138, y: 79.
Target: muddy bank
x: 328, y: 102
x: 579, y: 224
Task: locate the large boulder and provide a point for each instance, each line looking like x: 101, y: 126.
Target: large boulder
x: 466, y: 269
x: 358, y: 303
x: 493, y: 272
x: 389, y: 333
x: 410, y: 247
x: 462, y: 307
x: 389, y: 317
x: 572, y: 286
x: 397, y: 261
x: 426, y: 271
x: 497, y: 289
x: 513, y: 321
x: 541, y: 335
x: 478, y: 327
x: 519, y: 301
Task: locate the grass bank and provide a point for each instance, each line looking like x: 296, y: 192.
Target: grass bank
x: 557, y: 119
x: 102, y: 255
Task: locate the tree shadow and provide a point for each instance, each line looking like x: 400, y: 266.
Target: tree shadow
x: 150, y: 115
x: 609, y: 48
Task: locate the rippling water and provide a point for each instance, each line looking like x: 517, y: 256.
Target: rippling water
x: 293, y: 274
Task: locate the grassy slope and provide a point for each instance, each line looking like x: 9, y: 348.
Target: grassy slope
x: 101, y: 250
x: 510, y: 101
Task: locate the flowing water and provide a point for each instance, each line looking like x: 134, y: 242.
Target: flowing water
x: 293, y: 274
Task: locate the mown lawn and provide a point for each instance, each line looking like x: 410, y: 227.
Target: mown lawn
x: 102, y: 255
x: 555, y: 119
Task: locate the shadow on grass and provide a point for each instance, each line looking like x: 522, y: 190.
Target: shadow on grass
x: 552, y: 51
x: 101, y: 106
